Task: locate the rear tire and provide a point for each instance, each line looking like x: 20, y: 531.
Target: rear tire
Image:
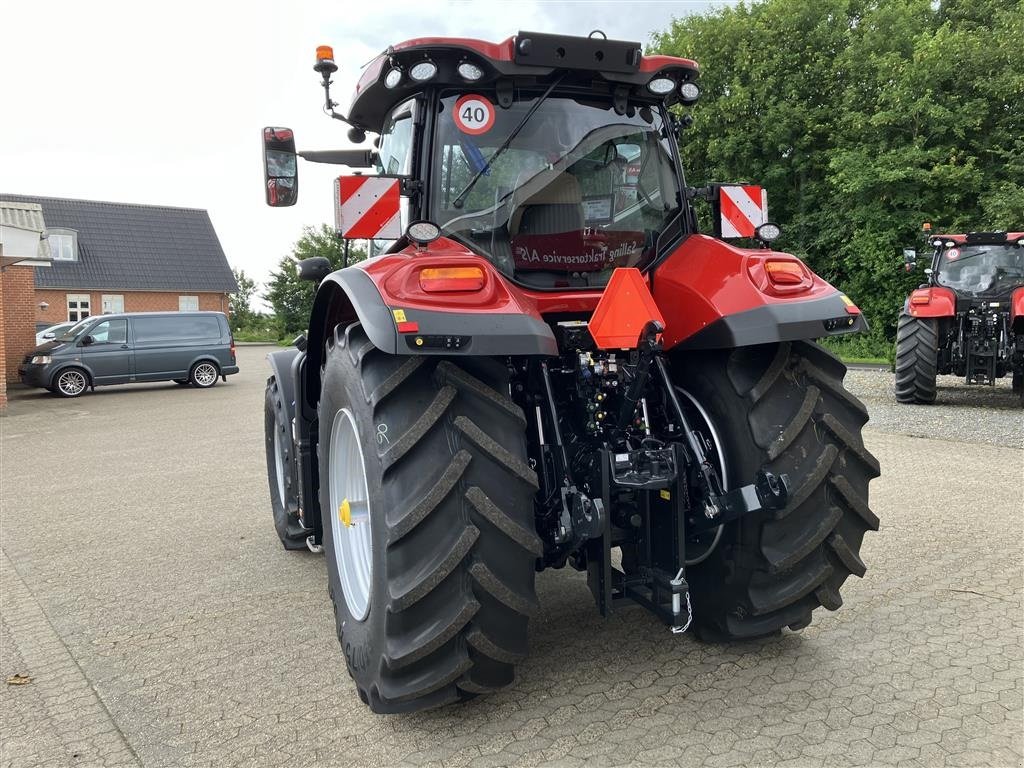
x: 204, y: 374
x: 440, y: 602
x: 916, y: 359
x: 281, y: 470
x: 781, y: 408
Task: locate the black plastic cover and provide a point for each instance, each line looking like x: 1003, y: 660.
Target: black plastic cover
x: 586, y: 53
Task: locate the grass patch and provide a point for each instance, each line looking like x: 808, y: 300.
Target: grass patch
x: 267, y: 335
x: 861, y: 348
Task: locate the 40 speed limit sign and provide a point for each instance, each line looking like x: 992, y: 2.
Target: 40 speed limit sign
x: 474, y: 114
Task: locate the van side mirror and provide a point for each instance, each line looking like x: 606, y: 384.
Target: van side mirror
x: 909, y: 258
x: 87, y: 340
x: 49, y: 335
x: 280, y: 167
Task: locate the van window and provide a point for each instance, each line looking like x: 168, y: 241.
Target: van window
x: 176, y: 328
x: 110, y: 332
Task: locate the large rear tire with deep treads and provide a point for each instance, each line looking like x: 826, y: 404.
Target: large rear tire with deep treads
x: 781, y: 408
x: 284, y: 501
x: 917, y: 341
x: 432, y: 605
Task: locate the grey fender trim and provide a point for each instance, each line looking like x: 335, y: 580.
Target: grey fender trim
x: 785, y: 321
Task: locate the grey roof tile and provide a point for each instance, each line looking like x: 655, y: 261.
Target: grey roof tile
x: 131, y: 247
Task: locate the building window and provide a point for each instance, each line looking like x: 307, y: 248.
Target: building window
x: 113, y: 303
x: 188, y: 303
x: 78, y: 306
x: 63, y: 244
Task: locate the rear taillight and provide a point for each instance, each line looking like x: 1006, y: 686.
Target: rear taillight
x: 451, y: 279
x: 920, y: 297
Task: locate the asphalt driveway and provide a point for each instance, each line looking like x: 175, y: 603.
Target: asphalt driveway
x: 146, y: 596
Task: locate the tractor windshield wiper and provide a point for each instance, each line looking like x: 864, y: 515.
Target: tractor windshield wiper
x: 460, y: 199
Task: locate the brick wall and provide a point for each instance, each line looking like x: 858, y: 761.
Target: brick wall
x: 19, y: 317
x: 134, y: 301
x: 3, y: 353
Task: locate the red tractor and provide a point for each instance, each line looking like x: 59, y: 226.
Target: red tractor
x: 968, y: 319
x: 549, y: 365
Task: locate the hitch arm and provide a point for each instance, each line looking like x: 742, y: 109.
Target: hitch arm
x: 720, y: 506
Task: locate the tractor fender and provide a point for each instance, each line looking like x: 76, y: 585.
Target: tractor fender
x: 716, y: 296
x: 284, y: 366
x: 383, y: 295
x: 931, y: 301
x: 1017, y: 311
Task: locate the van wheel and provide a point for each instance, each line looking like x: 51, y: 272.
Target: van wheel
x: 71, y: 382
x: 203, y: 374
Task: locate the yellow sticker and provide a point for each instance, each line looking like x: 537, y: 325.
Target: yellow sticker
x: 399, y: 315
x: 846, y: 299
x: 665, y: 495
x: 345, y: 514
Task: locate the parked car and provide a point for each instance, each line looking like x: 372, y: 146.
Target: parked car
x: 193, y: 348
x: 51, y: 333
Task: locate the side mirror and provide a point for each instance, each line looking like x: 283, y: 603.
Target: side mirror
x: 49, y: 335
x: 280, y: 167
x: 909, y: 258
x: 315, y: 268
x: 87, y: 340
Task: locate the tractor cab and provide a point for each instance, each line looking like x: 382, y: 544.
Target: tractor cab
x: 979, y: 265
x: 553, y: 157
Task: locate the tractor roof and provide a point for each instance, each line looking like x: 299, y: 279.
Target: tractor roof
x: 969, y: 238
x: 614, y: 67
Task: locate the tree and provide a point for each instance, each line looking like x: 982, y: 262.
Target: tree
x: 863, y: 119
x: 241, y: 313
x: 292, y: 298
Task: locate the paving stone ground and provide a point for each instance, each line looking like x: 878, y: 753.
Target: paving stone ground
x: 145, y: 593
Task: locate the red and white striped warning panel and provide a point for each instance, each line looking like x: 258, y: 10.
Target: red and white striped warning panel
x: 367, y: 207
x: 744, y: 209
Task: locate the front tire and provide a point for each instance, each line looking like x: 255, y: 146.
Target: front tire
x: 281, y: 469
x: 917, y: 358
x: 431, y: 605
x: 781, y: 408
x: 71, y: 382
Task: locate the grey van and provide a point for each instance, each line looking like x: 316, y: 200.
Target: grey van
x: 185, y: 347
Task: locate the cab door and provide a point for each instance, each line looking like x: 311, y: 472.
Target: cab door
x: 105, y: 350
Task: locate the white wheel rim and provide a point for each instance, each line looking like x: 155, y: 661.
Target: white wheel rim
x: 279, y: 466
x: 723, y: 470
x: 205, y: 374
x: 71, y: 382
x: 350, y: 515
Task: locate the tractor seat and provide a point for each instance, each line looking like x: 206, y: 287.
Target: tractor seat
x: 555, y: 209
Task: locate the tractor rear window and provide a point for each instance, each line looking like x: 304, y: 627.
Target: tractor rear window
x: 578, y: 191
x: 982, y: 270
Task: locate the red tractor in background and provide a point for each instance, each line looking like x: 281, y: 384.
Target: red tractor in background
x: 968, y: 319
x: 547, y: 364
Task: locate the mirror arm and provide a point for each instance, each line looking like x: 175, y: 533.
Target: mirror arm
x: 355, y: 158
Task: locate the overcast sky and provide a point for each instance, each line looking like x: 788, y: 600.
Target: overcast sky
x: 162, y: 103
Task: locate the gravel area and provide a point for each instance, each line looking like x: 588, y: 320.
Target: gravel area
x: 962, y: 413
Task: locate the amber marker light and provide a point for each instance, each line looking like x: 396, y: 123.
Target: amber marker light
x: 451, y: 279
x: 784, y: 272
